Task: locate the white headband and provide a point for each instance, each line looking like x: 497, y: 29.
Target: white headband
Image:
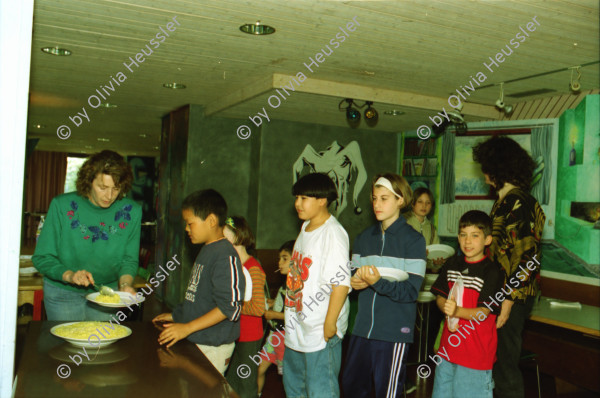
x: 384, y: 182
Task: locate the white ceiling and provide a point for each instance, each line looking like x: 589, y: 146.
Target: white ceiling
x: 405, y: 55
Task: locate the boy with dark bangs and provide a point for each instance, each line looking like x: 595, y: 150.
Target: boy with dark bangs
x: 316, y: 304
x: 468, y: 352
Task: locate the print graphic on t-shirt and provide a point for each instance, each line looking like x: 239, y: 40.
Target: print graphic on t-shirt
x: 194, y: 280
x: 299, y: 270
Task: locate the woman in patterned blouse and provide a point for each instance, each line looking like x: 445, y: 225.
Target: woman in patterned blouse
x: 518, y: 221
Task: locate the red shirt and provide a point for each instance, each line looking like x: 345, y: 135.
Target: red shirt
x: 251, y: 324
x: 474, y: 344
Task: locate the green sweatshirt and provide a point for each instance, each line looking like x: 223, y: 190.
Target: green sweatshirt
x: 78, y: 235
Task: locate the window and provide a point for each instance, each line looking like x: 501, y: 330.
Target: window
x: 73, y: 165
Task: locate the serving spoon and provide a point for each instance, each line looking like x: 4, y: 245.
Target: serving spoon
x: 105, y: 290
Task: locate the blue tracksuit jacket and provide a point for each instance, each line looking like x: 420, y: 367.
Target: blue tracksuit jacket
x: 387, y: 310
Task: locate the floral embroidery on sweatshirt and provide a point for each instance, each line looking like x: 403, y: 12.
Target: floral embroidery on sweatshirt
x: 102, y: 231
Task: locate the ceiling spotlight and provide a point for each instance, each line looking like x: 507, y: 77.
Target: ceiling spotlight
x: 352, y: 114
x: 500, y: 102
x: 393, y: 112
x: 371, y: 115
x: 457, y: 117
x: 61, y: 52
x: 257, y: 29
x: 575, y: 85
x: 174, y: 86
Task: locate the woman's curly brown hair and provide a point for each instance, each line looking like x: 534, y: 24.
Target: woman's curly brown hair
x: 105, y: 162
x: 503, y: 160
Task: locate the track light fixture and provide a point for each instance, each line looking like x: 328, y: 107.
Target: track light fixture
x: 371, y: 115
x: 575, y: 85
x: 500, y: 102
x: 353, y: 114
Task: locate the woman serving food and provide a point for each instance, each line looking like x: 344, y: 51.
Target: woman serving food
x: 90, y: 237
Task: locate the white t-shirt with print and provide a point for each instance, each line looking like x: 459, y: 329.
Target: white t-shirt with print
x: 319, y: 261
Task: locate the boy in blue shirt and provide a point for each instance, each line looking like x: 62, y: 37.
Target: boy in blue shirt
x: 209, y: 314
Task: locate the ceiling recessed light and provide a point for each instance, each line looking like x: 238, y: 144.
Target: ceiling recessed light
x: 108, y: 105
x: 39, y: 126
x: 143, y: 135
x: 393, y: 112
x: 61, y: 52
x: 156, y: 147
x: 257, y: 29
x: 103, y: 139
x: 174, y: 86
x: 88, y: 147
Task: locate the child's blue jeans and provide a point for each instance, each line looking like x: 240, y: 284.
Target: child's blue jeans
x: 455, y: 381
x: 313, y: 374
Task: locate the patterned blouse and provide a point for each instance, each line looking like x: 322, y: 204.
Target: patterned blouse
x: 518, y: 222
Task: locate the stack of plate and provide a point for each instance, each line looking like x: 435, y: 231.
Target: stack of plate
x: 429, y: 280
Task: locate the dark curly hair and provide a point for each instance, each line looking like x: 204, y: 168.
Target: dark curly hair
x: 503, y: 160
x: 105, y: 162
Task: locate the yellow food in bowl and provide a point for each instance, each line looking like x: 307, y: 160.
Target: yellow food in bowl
x: 102, y: 298
x: 83, y: 330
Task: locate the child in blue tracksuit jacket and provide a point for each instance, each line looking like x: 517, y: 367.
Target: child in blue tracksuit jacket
x: 386, y: 309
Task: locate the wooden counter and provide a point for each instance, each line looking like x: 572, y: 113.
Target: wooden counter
x: 133, y: 367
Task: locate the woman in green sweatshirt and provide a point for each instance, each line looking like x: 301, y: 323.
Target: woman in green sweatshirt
x: 91, y: 236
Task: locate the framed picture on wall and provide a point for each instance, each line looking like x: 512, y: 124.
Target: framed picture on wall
x: 469, y: 180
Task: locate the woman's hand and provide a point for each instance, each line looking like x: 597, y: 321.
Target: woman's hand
x: 128, y: 289
x: 80, y: 278
x: 504, y: 313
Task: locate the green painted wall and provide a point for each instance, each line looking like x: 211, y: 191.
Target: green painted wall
x: 281, y: 144
x: 255, y: 177
x: 580, y: 182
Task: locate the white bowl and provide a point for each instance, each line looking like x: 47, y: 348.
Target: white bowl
x: 392, y: 274
x: 92, y: 343
x: 127, y: 299
x: 436, y: 251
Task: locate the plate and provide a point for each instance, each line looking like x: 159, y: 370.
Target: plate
x: 103, y: 356
x: 126, y: 300
x: 392, y: 274
x: 429, y: 281
x: 437, y: 251
x: 92, y: 343
x: 28, y: 271
x: 248, y: 288
x: 425, y: 297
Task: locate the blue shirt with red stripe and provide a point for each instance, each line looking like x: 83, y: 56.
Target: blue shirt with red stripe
x: 217, y: 280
